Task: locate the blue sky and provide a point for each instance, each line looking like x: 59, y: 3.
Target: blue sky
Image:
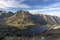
x: 50, y: 7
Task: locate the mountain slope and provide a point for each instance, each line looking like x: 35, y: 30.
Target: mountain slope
x: 23, y: 19
x: 22, y: 23
x: 4, y: 14
x: 50, y: 19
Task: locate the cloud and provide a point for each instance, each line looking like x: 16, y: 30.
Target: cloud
x: 53, y: 13
x: 42, y: 12
x: 51, y: 0
x: 57, y: 0
x: 54, y: 6
x: 13, y: 4
x: 48, y: 6
x: 45, y: 0
x: 33, y: 0
x: 53, y: 9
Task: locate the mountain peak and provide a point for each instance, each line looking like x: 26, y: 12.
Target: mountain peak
x: 22, y: 13
x: 24, y: 18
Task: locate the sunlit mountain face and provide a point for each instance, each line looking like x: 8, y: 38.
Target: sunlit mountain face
x: 24, y: 17
x: 23, y: 23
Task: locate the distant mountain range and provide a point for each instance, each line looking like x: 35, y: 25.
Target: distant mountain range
x: 4, y: 14
x: 23, y: 18
x: 12, y: 23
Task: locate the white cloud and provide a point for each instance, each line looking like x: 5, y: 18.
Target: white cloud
x: 54, y: 6
x: 53, y: 13
x: 53, y: 9
x: 57, y: 0
x: 13, y: 3
x: 32, y: 0
x: 51, y: 0
x: 48, y: 13
x: 45, y: 0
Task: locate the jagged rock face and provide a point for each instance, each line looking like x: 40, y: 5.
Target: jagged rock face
x: 21, y: 18
x: 50, y: 19
x: 22, y: 14
x: 4, y: 14
x: 24, y: 18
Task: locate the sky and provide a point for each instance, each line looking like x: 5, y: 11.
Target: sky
x: 50, y: 7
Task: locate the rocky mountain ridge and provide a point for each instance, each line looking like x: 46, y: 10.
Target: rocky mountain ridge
x: 16, y: 23
x: 24, y: 17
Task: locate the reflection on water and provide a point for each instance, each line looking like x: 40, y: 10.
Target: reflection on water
x: 34, y: 30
